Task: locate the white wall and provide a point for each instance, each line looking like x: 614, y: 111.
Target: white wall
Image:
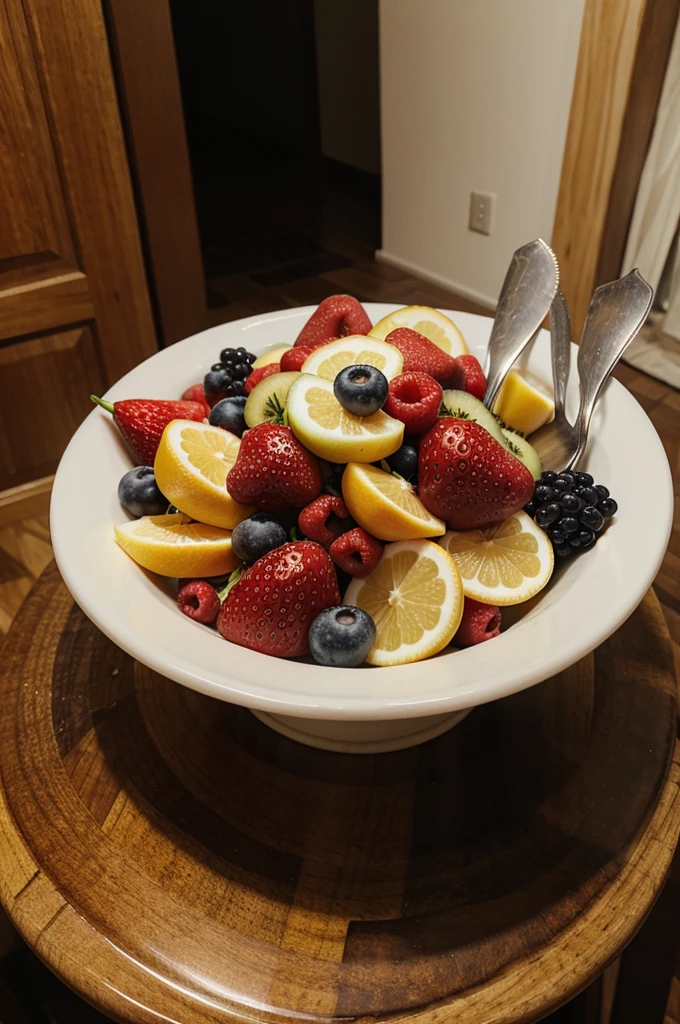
x: 475, y: 95
x: 348, y: 75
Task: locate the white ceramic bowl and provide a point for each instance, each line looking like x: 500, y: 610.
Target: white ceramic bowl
x: 364, y: 709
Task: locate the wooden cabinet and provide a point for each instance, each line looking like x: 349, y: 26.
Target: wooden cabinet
x: 74, y: 306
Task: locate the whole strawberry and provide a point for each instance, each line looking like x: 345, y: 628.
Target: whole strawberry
x: 275, y: 602
x: 274, y: 470
x: 335, y: 317
x: 423, y: 355
x: 196, y: 393
x: 141, y: 422
x: 467, y: 478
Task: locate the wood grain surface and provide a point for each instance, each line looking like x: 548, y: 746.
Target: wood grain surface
x: 173, y: 859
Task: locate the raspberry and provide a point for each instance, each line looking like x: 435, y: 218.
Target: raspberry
x: 316, y: 523
x: 414, y: 398
x: 258, y: 374
x: 357, y: 552
x: 196, y: 393
x: 199, y: 601
x: 475, y: 381
x: 294, y: 358
x: 480, y: 622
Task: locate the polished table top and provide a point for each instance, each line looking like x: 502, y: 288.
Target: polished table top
x: 172, y: 859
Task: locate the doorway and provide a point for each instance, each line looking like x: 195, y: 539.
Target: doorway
x: 283, y: 140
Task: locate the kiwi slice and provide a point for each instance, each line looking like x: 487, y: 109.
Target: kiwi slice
x: 266, y: 403
x: 520, y: 447
x: 463, y: 406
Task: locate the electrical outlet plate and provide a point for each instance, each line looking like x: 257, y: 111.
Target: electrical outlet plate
x: 481, y: 212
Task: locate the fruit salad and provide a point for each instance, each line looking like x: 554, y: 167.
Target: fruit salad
x: 349, y: 496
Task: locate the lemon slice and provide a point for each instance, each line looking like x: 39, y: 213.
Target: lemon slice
x: 426, y: 320
x: 320, y: 422
x: 415, y: 597
x: 272, y: 355
x: 191, y: 468
x: 387, y: 506
x: 173, y: 546
x: 524, y: 402
x: 504, y: 564
x: 328, y: 360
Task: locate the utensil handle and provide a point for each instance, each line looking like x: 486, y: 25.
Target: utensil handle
x: 617, y: 312
x: 528, y: 289
x: 560, y: 348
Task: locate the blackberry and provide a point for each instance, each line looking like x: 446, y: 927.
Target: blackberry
x: 226, y: 379
x: 572, y: 509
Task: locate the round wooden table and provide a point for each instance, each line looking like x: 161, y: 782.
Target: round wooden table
x: 172, y: 859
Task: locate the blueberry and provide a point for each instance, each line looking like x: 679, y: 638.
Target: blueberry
x: 570, y: 502
x: 254, y: 537
x: 361, y: 389
x: 592, y: 518
x: 404, y: 462
x: 564, y: 550
x: 138, y: 493
x: 543, y: 493
x: 569, y: 524
x: 228, y: 414
x: 547, y: 514
x: 342, y: 636
x: 602, y: 490
x: 608, y: 507
x: 584, y: 479
x: 215, y: 381
x: 549, y: 475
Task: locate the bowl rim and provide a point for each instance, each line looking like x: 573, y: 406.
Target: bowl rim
x: 252, y: 692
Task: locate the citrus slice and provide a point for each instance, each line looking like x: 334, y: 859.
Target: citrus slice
x: 504, y: 564
x: 191, y: 468
x: 386, y: 505
x: 329, y: 431
x: 426, y: 320
x: 524, y: 402
x: 272, y: 355
x: 172, y: 545
x: 415, y: 597
x: 328, y: 360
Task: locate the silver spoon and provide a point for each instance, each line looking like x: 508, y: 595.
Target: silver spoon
x: 528, y: 289
x: 617, y: 312
x: 551, y: 440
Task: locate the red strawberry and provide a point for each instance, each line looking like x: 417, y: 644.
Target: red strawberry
x: 414, y: 399
x: 199, y: 600
x: 357, y: 552
x: 274, y: 603
x: 467, y: 478
x: 480, y: 622
x: 141, y: 422
x: 423, y: 355
x: 475, y: 381
x: 335, y: 317
x: 258, y: 374
x: 294, y: 358
x: 196, y: 393
x: 315, y: 521
x: 273, y: 470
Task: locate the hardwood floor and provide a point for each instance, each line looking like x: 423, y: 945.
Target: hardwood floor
x: 24, y: 538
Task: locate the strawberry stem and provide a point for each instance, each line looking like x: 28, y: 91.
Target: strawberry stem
x: 231, y: 583
x: 100, y: 401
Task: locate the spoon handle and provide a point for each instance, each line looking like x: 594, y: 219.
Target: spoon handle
x: 617, y: 312
x: 560, y: 348
x: 528, y: 290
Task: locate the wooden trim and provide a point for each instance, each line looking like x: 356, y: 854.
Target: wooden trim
x: 607, y: 54
x: 26, y: 501
x: 141, y: 38
x: 651, y: 61
x: 40, y: 293
x: 72, y: 55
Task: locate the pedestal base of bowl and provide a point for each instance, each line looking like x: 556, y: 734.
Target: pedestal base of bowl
x: 362, y: 737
